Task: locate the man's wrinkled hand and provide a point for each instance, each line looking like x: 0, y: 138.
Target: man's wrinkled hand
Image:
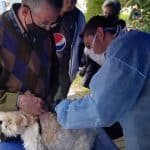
x: 31, y: 104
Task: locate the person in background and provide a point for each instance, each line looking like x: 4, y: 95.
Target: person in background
x: 11, y: 2
x: 3, y: 6
x: 28, y: 62
x: 68, y: 45
x: 7, y: 4
x: 125, y: 81
x: 111, y: 9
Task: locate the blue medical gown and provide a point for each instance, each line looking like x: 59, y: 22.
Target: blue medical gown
x: 120, y: 91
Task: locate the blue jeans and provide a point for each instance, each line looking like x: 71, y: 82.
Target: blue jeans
x: 12, y: 145
x: 103, y: 141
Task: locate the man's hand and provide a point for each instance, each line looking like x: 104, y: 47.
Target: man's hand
x: 31, y: 104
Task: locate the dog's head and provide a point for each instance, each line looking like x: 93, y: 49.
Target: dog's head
x: 13, y: 123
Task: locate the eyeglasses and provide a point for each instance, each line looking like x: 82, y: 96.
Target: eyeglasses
x: 45, y: 25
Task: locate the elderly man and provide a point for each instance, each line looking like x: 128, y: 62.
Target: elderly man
x: 28, y: 63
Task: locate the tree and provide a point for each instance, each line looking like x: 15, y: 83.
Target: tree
x: 94, y: 7
x: 140, y: 15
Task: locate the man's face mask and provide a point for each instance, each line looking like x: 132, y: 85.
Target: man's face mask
x: 98, y: 58
x: 35, y: 32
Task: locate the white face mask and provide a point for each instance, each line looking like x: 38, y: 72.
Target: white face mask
x: 98, y: 58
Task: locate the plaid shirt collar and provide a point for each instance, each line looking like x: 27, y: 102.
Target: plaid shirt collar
x: 14, y: 19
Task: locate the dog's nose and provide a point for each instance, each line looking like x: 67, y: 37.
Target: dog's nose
x: 0, y: 122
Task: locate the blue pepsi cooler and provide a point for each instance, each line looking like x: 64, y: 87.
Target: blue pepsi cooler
x: 16, y: 144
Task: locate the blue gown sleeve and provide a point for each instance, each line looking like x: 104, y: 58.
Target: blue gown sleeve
x: 114, y: 91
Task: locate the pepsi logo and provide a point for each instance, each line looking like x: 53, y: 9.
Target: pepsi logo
x: 60, y: 42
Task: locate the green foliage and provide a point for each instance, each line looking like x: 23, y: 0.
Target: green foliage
x: 140, y: 15
x: 94, y: 7
x: 138, y: 2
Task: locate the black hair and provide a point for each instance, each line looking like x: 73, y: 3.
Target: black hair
x: 100, y: 21
x: 57, y: 3
x: 117, y: 21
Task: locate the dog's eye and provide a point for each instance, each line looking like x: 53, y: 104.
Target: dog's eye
x: 1, y: 122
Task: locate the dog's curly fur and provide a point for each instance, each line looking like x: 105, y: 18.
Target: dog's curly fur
x: 52, y: 137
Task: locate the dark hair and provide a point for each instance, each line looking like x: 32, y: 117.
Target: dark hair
x: 100, y: 21
x: 114, y: 4
x: 57, y: 3
x: 117, y: 21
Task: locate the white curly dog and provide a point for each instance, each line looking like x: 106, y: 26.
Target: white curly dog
x: 44, y: 133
